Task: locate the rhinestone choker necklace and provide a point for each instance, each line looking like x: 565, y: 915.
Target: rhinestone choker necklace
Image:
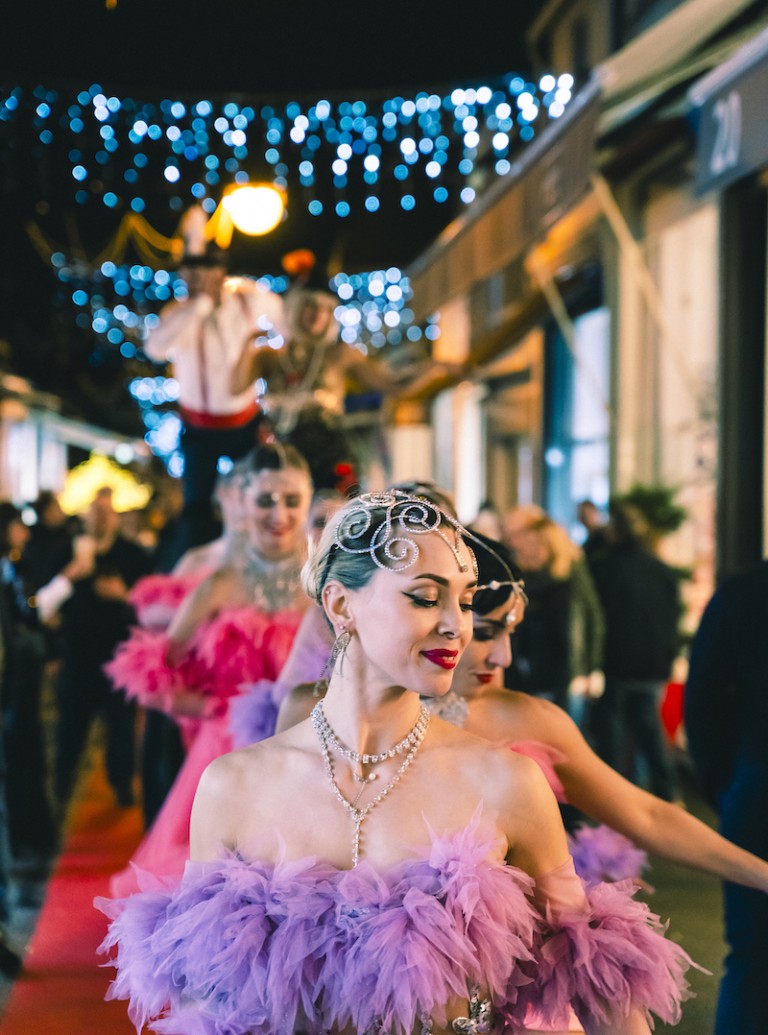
x: 330, y: 742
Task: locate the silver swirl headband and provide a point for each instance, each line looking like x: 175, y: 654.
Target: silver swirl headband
x: 392, y: 545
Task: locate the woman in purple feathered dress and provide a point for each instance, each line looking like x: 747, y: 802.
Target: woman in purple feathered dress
x: 375, y: 868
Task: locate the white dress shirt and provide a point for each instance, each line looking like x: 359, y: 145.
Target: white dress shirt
x: 204, y: 343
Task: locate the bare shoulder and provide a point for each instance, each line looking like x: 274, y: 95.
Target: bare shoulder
x: 231, y: 775
x: 507, y: 715
x: 491, y: 767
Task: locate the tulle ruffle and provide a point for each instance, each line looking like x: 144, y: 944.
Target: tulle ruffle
x: 600, y: 853
x: 253, y: 713
x: 243, y: 645
x: 240, y: 947
x: 606, y: 960
x: 267, y: 949
x: 156, y: 598
x: 240, y: 646
x: 140, y: 668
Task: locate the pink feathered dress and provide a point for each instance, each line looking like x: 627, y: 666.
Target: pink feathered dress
x: 243, y: 645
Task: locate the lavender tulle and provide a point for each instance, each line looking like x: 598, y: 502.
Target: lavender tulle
x: 600, y: 853
x: 268, y: 949
x: 606, y: 960
x: 253, y: 713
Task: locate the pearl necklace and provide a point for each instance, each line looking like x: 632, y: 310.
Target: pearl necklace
x: 321, y: 724
x: 329, y: 740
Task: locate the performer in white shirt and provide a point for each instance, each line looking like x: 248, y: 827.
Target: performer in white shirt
x: 203, y: 336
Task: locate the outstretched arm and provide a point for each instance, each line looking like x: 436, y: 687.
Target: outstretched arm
x: 542, y: 852
x: 655, y: 825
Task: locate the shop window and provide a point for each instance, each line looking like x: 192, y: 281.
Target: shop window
x: 577, y: 424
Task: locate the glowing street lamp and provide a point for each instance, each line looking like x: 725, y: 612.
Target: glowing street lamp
x: 255, y: 208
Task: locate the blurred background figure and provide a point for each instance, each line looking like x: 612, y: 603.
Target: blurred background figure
x: 30, y: 821
x: 726, y: 720
x: 488, y: 521
x: 592, y: 518
x: 10, y: 961
x: 49, y: 546
x: 90, y: 596
x: 641, y: 601
x: 558, y: 650
x: 203, y: 337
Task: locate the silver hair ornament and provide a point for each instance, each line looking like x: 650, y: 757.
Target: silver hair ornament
x: 392, y: 545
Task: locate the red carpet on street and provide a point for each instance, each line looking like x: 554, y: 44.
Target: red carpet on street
x: 61, y: 990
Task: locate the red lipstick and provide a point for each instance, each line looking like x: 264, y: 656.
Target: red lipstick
x: 484, y: 677
x: 444, y: 658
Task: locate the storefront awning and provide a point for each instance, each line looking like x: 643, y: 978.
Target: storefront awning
x: 549, y: 178
x: 732, y: 137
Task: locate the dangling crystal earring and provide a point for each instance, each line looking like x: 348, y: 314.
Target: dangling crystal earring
x: 339, y: 648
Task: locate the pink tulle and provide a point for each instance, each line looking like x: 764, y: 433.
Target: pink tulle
x: 156, y: 598
x: 235, y: 648
x: 268, y: 949
x: 600, y: 853
x: 241, y: 646
x: 140, y: 667
x: 546, y: 757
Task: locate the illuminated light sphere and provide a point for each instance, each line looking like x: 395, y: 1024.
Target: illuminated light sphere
x: 255, y: 209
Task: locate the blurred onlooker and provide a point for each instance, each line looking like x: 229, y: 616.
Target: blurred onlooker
x: 32, y: 831
x: 593, y: 520
x: 50, y: 541
x: 558, y: 649
x: 134, y: 526
x: 726, y: 720
x: 10, y: 961
x: 91, y: 595
x: 488, y: 521
x: 641, y: 601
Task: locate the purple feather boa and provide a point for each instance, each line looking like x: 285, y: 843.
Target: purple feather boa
x: 268, y: 949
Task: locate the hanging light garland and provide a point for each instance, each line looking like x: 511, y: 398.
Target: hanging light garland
x: 119, y: 150
x: 338, y: 158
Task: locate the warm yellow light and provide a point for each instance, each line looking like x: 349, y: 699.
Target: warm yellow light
x: 255, y: 209
x: 98, y: 472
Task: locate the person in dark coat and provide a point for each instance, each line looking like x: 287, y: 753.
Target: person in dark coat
x: 640, y: 595
x: 726, y: 721
x: 92, y: 601
x: 31, y: 826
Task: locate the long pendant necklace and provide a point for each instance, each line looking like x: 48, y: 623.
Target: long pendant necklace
x: 329, y: 742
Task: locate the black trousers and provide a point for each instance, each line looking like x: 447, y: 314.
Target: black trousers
x: 83, y: 692
x: 202, y: 448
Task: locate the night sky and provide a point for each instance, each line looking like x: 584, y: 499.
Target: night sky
x: 243, y: 48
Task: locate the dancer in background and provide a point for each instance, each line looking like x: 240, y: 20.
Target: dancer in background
x: 236, y: 627
x: 336, y: 885
x: 156, y: 599
x: 202, y: 336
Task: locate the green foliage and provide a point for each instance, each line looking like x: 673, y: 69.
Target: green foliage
x: 656, y: 503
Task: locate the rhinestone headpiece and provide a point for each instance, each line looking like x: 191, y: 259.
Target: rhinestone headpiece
x: 392, y: 545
